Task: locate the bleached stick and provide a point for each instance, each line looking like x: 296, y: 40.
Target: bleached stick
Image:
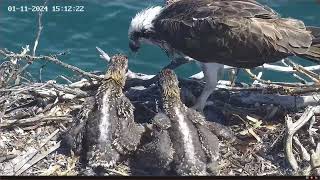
x: 292, y: 128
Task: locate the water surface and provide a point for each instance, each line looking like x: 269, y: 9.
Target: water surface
x: 105, y: 23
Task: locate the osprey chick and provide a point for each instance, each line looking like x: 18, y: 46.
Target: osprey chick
x: 111, y: 132
x: 238, y: 33
x: 180, y: 142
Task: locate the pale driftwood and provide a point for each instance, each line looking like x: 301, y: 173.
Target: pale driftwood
x: 9, y: 168
x: 40, y: 27
x: 259, y: 77
x: 49, y: 89
x: 304, y: 153
x: 19, y: 89
x: 19, y: 166
x: 3, y: 109
x: 256, y: 78
x: 315, y: 161
x: 313, y: 76
x: 291, y: 129
x: 199, y: 75
x: 66, y: 79
x: 37, y: 158
x: 117, y: 172
x: 288, y: 149
x: 103, y: 55
x: 259, y: 81
x: 65, y: 89
x: 270, y: 67
x: 286, y: 101
x: 133, y: 75
x: 36, y: 42
x: 287, y: 69
x: 300, y: 78
x: 130, y: 74
x: 83, y: 83
x: 312, y: 122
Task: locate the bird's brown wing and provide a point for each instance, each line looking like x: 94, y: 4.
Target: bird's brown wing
x: 240, y: 33
x: 183, y: 9
x: 129, y: 132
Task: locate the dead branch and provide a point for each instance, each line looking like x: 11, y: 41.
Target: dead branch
x: 103, y: 55
x: 315, y: 160
x: 40, y: 27
x: 50, y: 59
x: 286, y: 101
x: 31, y: 121
x: 304, y: 153
x: 292, y: 128
x: 313, y: 76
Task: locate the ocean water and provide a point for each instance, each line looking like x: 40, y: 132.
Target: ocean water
x: 104, y: 23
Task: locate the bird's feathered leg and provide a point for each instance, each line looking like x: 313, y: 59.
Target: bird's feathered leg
x: 233, y: 75
x: 212, y: 73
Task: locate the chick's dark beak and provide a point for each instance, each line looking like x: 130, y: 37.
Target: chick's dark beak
x: 134, y: 46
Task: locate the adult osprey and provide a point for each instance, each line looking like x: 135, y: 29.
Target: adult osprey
x: 239, y: 33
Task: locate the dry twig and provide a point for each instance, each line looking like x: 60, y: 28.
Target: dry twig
x: 50, y: 59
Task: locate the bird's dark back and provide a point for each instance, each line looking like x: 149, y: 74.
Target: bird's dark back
x: 240, y: 33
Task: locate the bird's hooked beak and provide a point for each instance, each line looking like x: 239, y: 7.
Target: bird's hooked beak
x: 134, y: 46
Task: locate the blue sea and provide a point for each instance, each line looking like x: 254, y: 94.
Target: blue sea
x: 104, y: 23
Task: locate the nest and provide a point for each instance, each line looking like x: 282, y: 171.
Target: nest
x: 33, y: 115
x: 275, y: 123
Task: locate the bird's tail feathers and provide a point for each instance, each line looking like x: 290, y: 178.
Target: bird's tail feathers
x: 313, y: 52
x: 315, y: 31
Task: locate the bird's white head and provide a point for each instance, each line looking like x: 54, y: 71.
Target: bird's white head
x: 141, y: 27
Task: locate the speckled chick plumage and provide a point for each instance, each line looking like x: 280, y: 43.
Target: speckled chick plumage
x: 181, y: 142
x: 111, y: 132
